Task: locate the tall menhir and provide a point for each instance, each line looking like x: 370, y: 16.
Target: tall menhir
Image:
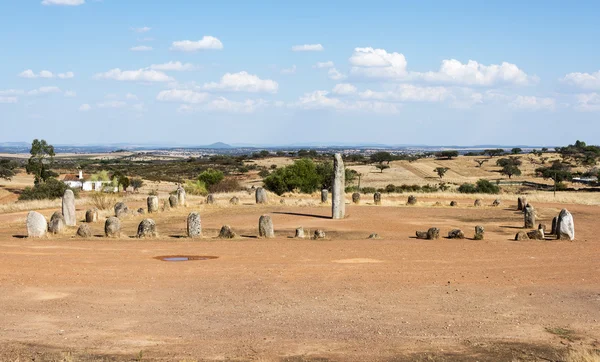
x: 338, y: 202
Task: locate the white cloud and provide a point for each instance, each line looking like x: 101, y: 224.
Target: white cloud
x: 70, y: 94
x: 243, y: 82
x: 11, y: 92
x: 321, y: 65
x: 111, y: 104
x: 140, y: 48
x: 291, y: 70
x: 588, y: 102
x: 44, y: 90
x: 533, y: 103
x: 63, y: 2
x: 226, y: 105
x: 143, y: 29
x: 140, y: 75
x: 173, y: 66
x: 131, y: 96
x: 45, y: 74
x: 409, y: 93
x: 85, y: 107
x: 369, y: 57
x: 583, y: 80
x: 334, y: 74
x: 344, y: 89
x: 8, y: 99
x: 308, y: 48
x: 320, y: 100
x: 207, y: 42
x: 182, y: 96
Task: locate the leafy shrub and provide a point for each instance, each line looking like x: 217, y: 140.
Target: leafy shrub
x: 211, y: 177
x: 197, y: 188
x: 301, y: 175
x: 467, y: 188
x: 482, y: 187
x: 49, y: 190
x: 368, y: 190
x: 263, y: 173
x: 226, y: 185
x: 103, y: 200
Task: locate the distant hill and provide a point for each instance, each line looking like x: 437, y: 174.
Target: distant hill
x: 218, y: 145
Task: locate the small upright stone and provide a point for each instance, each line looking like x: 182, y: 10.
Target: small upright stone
x: 121, y: 209
x: 377, y: 198
x: 529, y: 216
x: 141, y: 211
x: 37, y: 226
x: 84, y: 231
x: 554, y: 221
x: 521, y: 203
x: 521, y: 235
x: 319, y: 234
x: 496, y: 202
x: 57, y: 223
x: 152, y: 202
x: 147, y: 229
x: 173, y: 201
x: 226, y: 232
x: 91, y: 215
x: 68, y: 208
x: 180, y: 195
x: 261, y: 196
x: 456, y: 234
x: 356, y: 198
x: 112, y: 227
x: 412, y: 200
x: 477, y: 203
x: 453, y: 203
x: 265, y: 227
x: 479, y: 232
x: 374, y: 236
x: 565, y: 226
x: 210, y: 199
x: 324, y: 196
x: 543, y: 227
x: 433, y: 233
x: 299, y: 233
x: 194, y: 225
x: 338, y: 199
x: 536, y: 234
x: 234, y: 200
x: 421, y: 234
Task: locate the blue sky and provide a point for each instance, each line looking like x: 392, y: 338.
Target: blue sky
x: 275, y: 72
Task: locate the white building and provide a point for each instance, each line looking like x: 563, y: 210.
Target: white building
x: 79, y: 182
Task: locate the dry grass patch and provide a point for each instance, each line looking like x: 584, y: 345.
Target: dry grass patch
x: 583, y: 355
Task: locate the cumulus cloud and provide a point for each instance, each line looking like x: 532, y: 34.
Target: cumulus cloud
x: 291, y: 70
x: 583, y: 80
x: 321, y: 65
x: 225, y: 105
x: 409, y: 93
x: 45, y: 74
x: 85, y: 107
x: 207, y: 42
x: 11, y: 92
x: 141, y: 48
x: 320, y: 99
x: 173, y: 66
x: 67, y: 75
x: 308, y: 48
x: 63, y: 2
x: 182, y: 96
x: 533, y: 103
x: 243, y: 82
x: 143, y: 29
x: 140, y: 75
x: 344, y: 89
x: 44, y: 90
x: 588, y: 102
x: 334, y: 74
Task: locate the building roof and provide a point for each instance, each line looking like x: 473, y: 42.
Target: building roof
x: 71, y: 177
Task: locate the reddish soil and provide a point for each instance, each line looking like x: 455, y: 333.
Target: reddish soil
x: 343, y: 298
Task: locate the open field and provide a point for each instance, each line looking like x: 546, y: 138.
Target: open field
x: 343, y: 298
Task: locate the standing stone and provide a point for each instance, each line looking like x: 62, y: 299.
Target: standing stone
x: 338, y: 202
x: 84, y: 231
x: 194, y: 225
x: 521, y: 203
x: 319, y: 234
x: 554, y: 221
x: 121, y: 209
x: 377, y: 198
x: 433, y: 233
x: 57, y: 223
x: 536, y: 234
x: 521, y: 235
x: 147, y: 229
x: 324, y: 196
x: 299, y: 233
x: 261, y: 196
x: 234, y: 200
x: 456, y: 234
x: 453, y: 203
x: 68, y: 208
x: 152, y: 202
x: 356, y: 198
x: 210, y: 199
x: 181, y: 195
x: 173, y: 201
x: 112, y: 227
x: 565, y: 226
x: 412, y: 200
x: 496, y: 202
x: 529, y: 216
x: 477, y: 203
x: 479, y: 232
x: 543, y: 227
x: 226, y: 232
x: 37, y: 226
x: 91, y: 215
x: 265, y: 227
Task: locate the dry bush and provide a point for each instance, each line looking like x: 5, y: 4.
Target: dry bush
x: 103, y: 200
x: 583, y: 355
x: 226, y: 185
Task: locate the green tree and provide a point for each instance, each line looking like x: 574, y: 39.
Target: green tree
x: 510, y: 170
x: 41, y: 160
x: 7, y: 169
x: 441, y: 171
x: 382, y: 167
x: 124, y: 182
x: 481, y: 162
x: 494, y: 152
x: 211, y: 177
x: 516, y: 151
x: 558, y: 172
x: 446, y: 154
x: 136, y: 183
x: 381, y: 157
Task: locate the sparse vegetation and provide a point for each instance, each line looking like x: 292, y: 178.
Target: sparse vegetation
x: 441, y: 171
x: 7, y: 169
x: 446, y: 154
x: 482, y: 187
x: 103, y: 200
x: 211, y: 177
x: 51, y: 189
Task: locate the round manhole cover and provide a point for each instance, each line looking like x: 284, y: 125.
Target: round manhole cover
x: 184, y: 257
